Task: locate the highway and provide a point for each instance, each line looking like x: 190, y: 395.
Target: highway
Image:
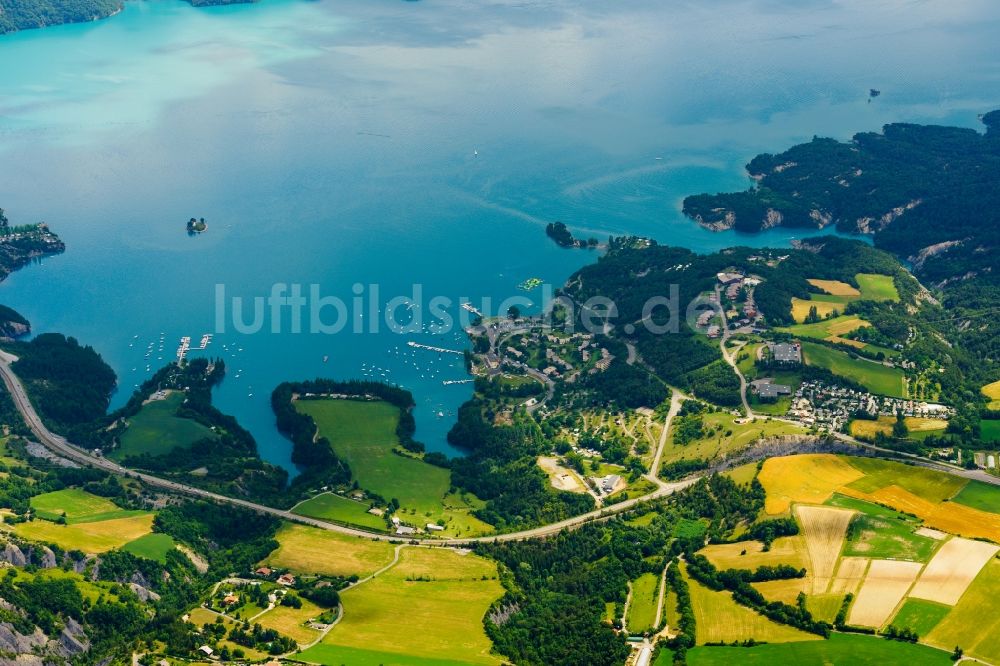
x: 60, y: 446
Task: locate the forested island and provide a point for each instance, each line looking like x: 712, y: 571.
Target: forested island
x: 18, y: 15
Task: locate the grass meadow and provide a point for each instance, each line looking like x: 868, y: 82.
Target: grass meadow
x: 157, y: 430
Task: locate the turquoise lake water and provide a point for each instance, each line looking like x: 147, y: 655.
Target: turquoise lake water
x: 345, y: 142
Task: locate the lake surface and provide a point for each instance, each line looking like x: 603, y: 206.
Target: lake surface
x: 363, y: 142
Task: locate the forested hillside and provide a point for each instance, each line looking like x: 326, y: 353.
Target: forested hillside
x: 26, y: 14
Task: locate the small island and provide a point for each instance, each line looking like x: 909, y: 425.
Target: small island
x: 562, y: 236
x: 196, y: 226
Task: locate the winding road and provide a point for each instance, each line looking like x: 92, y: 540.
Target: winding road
x: 62, y: 447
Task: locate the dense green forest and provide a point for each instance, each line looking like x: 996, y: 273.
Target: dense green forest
x: 69, y: 384
x: 27, y: 14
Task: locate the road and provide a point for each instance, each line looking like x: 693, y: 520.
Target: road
x: 60, y: 446
x: 730, y: 358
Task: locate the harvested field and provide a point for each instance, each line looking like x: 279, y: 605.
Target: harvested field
x: 970, y: 624
x: 786, y: 591
x: 931, y: 534
x: 719, y: 618
x: 884, y: 587
x: 849, y: 575
x: 952, y: 570
x: 312, y: 550
x: 834, y: 287
x: 809, y: 479
x: 825, y: 528
x: 750, y: 554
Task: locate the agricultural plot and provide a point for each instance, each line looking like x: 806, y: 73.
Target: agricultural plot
x: 919, y: 427
x: 153, y: 546
x: 89, y: 537
x: 720, y: 619
x: 809, y: 479
x: 750, y: 554
x: 989, y: 429
x: 884, y: 586
x: 979, y: 495
x: 293, y: 622
x: 838, y: 650
x: 642, y: 608
x: 871, y: 287
x: 824, y: 529
x: 77, y: 506
x: 338, y: 509
x: 880, y: 532
x: 364, y: 435
x: 827, y: 328
x: 970, y: 623
x: 312, y: 550
x: 427, y: 609
x: 920, y: 616
x: 850, y: 572
x: 952, y: 570
x: 992, y: 391
x: 875, y: 377
x: 157, y: 429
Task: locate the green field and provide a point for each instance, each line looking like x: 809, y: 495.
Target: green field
x: 312, y: 550
x: 428, y: 609
x: 990, y: 430
x: 78, y: 506
x: 338, y: 509
x: 875, y: 377
x: 727, y: 437
x: 838, y: 650
x: 336, y: 655
x: 926, y: 483
x: 875, y: 287
x: 883, y: 533
x: 642, y: 608
x: 979, y: 495
x: 154, y: 546
x: 920, y: 616
x: 156, y: 430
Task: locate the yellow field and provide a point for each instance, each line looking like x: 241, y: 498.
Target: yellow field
x: 430, y: 605
x: 825, y: 528
x: 786, y: 591
x: 952, y: 570
x: 850, y: 573
x: 950, y: 517
x: 784, y: 550
x: 992, y: 391
x: 970, y: 624
x: 809, y: 479
x: 801, y: 308
x: 312, y: 550
x: 291, y: 621
x: 857, y: 344
x: 97, y: 537
x: 719, y: 618
x: 846, y: 325
x: 883, y: 589
x: 834, y: 287
x: 869, y: 429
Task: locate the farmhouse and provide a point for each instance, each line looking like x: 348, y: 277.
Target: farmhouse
x: 403, y: 530
x: 286, y: 579
x: 264, y: 571
x: 205, y: 650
